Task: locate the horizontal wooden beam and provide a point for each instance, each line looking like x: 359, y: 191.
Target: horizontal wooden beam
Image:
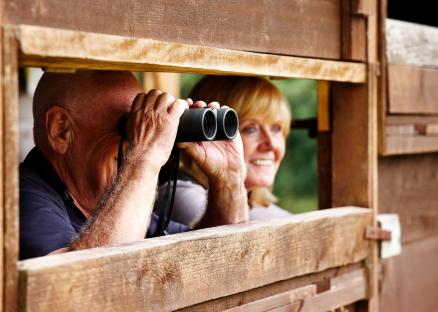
x: 343, y: 291
x: 321, y: 279
x: 409, y: 144
x: 411, y: 44
x: 412, y: 90
x: 56, y: 48
x: 185, y: 269
x: 299, y: 28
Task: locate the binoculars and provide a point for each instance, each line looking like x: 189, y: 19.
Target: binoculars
x: 207, y: 124
x: 201, y: 124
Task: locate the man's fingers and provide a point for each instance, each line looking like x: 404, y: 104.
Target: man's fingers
x: 163, y: 101
x: 137, y: 104
x: 178, y: 107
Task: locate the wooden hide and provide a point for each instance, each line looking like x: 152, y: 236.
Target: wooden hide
x: 302, y: 28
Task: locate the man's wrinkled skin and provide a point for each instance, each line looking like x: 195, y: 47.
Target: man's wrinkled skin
x: 76, y: 128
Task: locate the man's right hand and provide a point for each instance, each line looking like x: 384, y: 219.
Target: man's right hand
x: 152, y: 126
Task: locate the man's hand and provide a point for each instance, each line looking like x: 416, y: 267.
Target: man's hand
x: 152, y: 126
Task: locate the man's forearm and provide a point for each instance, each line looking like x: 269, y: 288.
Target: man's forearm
x: 124, y: 212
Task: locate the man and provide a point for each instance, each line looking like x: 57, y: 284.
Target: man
x: 72, y: 195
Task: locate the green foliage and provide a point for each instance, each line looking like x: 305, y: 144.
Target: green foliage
x: 295, y: 184
x: 296, y: 181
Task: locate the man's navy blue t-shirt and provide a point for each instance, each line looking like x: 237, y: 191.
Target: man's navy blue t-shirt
x: 46, y: 222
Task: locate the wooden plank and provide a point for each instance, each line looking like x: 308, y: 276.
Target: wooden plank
x: 410, y: 144
x: 172, y: 272
x: 411, y: 44
x: 48, y: 47
x: 343, y: 292
x: 408, y: 188
x: 410, y: 281
x: 10, y: 172
x: 167, y: 82
x: 320, y: 279
x: 309, y: 28
x: 412, y: 90
x: 355, y: 143
x: 383, y: 78
x: 351, y: 161
x: 2, y: 211
x: 324, y: 146
x: 278, y: 301
x: 354, y: 33
x: 410, y: 119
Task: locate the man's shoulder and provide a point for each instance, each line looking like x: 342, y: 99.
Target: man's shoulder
x: 33, y: 187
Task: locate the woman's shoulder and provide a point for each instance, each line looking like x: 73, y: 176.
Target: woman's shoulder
x: 266, y: 213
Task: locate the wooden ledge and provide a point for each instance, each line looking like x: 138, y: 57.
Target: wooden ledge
x: 181, y: 270
x: 66, y: 49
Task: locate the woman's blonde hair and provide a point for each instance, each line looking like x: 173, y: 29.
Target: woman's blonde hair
x: 249, y: 97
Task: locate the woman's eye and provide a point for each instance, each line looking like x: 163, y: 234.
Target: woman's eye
x: 276, y: 128
x: 249, y: 130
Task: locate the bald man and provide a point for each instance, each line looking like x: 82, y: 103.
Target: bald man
x: 73, y: 196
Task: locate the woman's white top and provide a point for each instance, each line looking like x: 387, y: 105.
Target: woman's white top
x: 191, y: 202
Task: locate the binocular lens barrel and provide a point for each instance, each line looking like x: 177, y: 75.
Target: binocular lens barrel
x: 207, y: 124
x: 228, y: 124
x: 198, y: 124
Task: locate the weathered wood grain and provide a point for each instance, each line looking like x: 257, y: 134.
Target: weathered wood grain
x: 321, y: 279
x: 412, y: 90
x: 2, y: 211
x: 348, y: 290
x: 354, y: 32
x: 300, y: 28
x: 10, y: 172
x: 291, y: 297
x: 410, y: 144
x: 410, y: 281
x: 408, y: 188
x: 48, y: 47
x: 411, y: 44
x: 184, y: 269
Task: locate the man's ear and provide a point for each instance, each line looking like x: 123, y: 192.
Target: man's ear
x: 59, y: 129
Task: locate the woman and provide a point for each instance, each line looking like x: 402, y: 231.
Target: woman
x: 264, y: 125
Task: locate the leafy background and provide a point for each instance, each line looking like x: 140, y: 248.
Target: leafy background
x: 295, y: 184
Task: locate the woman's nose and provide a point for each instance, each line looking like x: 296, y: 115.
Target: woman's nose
x: 267, y: 139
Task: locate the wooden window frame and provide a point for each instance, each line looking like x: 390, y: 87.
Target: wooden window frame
x: 56, y: 49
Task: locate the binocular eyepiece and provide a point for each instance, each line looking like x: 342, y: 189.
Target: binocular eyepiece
x: 201, y: 124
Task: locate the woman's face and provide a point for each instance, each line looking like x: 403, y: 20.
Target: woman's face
x: 263, y: 146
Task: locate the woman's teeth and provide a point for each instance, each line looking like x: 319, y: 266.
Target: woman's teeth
x: 262, y: 162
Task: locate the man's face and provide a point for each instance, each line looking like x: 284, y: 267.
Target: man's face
x: 93, y: 154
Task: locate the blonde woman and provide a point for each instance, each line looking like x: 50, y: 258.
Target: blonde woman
x: 264, y: 126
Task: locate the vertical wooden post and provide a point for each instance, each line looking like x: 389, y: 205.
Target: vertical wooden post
x: 10, y: 167
x: 324, y: 146
x: 354, y: 139
x: 167, y: 82
x: 2, y: 225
